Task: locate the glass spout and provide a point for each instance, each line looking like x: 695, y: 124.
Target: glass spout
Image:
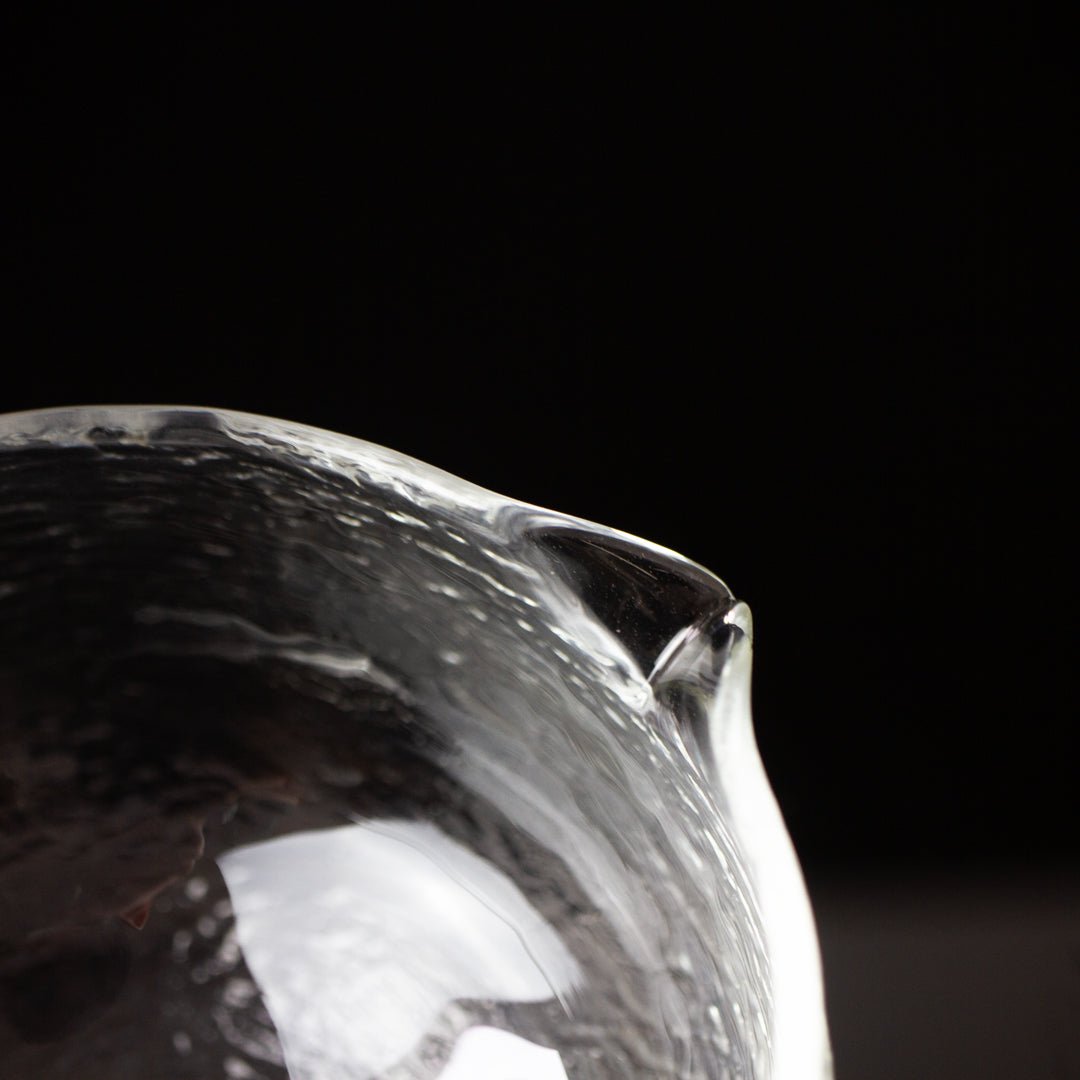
x: 694, y: 641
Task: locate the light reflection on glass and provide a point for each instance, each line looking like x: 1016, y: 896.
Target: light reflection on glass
x: 484, y: 1053
x: 360, y: 936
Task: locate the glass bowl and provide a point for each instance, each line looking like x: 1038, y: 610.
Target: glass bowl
x: 319, y: 763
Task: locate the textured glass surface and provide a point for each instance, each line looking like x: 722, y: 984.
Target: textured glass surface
x: 317, y: 762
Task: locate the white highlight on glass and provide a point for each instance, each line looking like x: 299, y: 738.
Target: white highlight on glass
x: 359, y: 938
x: 485, y: 1053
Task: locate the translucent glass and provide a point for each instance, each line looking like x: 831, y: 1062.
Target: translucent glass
x: 317, y: 762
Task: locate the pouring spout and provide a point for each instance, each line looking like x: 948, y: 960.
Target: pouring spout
x: 692, y: 641
x: 701, y: 682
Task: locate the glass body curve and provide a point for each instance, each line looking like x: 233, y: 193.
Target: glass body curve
x: 319, y: 763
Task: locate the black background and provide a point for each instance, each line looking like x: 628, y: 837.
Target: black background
x: 791, y: 298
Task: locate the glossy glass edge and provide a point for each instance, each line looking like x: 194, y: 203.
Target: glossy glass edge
x: 801, y: 1050
x: 72, y: 425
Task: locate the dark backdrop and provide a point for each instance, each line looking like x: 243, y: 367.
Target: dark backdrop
x: 790, y: 298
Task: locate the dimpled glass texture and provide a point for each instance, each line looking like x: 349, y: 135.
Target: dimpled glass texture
x: 319, y: 763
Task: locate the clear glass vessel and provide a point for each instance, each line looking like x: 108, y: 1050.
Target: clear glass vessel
x: 319, y: 763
